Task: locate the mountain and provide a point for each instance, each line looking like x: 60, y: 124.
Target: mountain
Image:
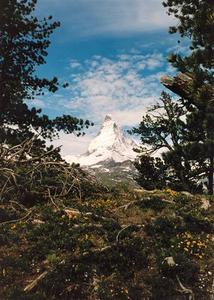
x: 110, y: 145
x: 109, y: 156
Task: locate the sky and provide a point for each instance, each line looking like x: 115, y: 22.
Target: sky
x: 112, y: 53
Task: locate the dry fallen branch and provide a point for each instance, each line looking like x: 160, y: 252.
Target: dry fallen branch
x: 98, y: 251
x: 185, y: 290
x: 136, y: 202
x: 98, y: 216
x: 128, y: 205
x: 22, y: 173
x: 123, y: 229
x: 17, y: 220
x: 134, y: 227
x: 34, y: 283
x: 51, y: 198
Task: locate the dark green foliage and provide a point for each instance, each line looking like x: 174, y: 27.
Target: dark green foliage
x: 152, y: 172
x: 113, y: 267
x: 164, y: 128
x: 195, y: 22
x: 17, y: 294
x: 154, y: 202
x: 6, y: 215
x: 123, y: 257
x: 165, y: 227
x: 163, y: 125
x: 53, y: 235
x: 163, y: 289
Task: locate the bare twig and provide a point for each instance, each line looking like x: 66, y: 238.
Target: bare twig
x: 185, y: 290
x: 136, y: 202
x: 123, y: 229
x: 51, y: 198
x: 34, y: 283
x: 17, y: 220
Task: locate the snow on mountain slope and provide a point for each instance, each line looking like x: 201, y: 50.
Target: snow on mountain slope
x: 110, y: 144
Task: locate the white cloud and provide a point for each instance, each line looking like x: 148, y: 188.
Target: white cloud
x: 155, y: 61
x: 98, y: 17
x: 128, y: 117
x: 38, y: 103
x: 115, y: 85
x: 74, y: 64
x: 72, y: 144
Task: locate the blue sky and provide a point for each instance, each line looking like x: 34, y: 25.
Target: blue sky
x: 112, y: 53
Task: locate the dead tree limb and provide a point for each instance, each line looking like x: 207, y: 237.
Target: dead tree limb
x: 17, y: 220
x: 136, y: 202
x: 123, y: 229
x: 185, y: 290
x: 180, y: 84
x: 34, y: 283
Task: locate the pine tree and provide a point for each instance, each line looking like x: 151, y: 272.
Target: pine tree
x: 163, y: 128
x: 24, y: 40
x: 189, y: 141
x: 196, y: 22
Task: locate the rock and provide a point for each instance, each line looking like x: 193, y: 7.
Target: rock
x: 205, y: 203
x: 71, y: 213
x: 170, y: 261
x: 139, y: 191
x: 37, y: 221
x: 187, y: 194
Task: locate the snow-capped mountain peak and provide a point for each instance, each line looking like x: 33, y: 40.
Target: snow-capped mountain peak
x: 110, y: 144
